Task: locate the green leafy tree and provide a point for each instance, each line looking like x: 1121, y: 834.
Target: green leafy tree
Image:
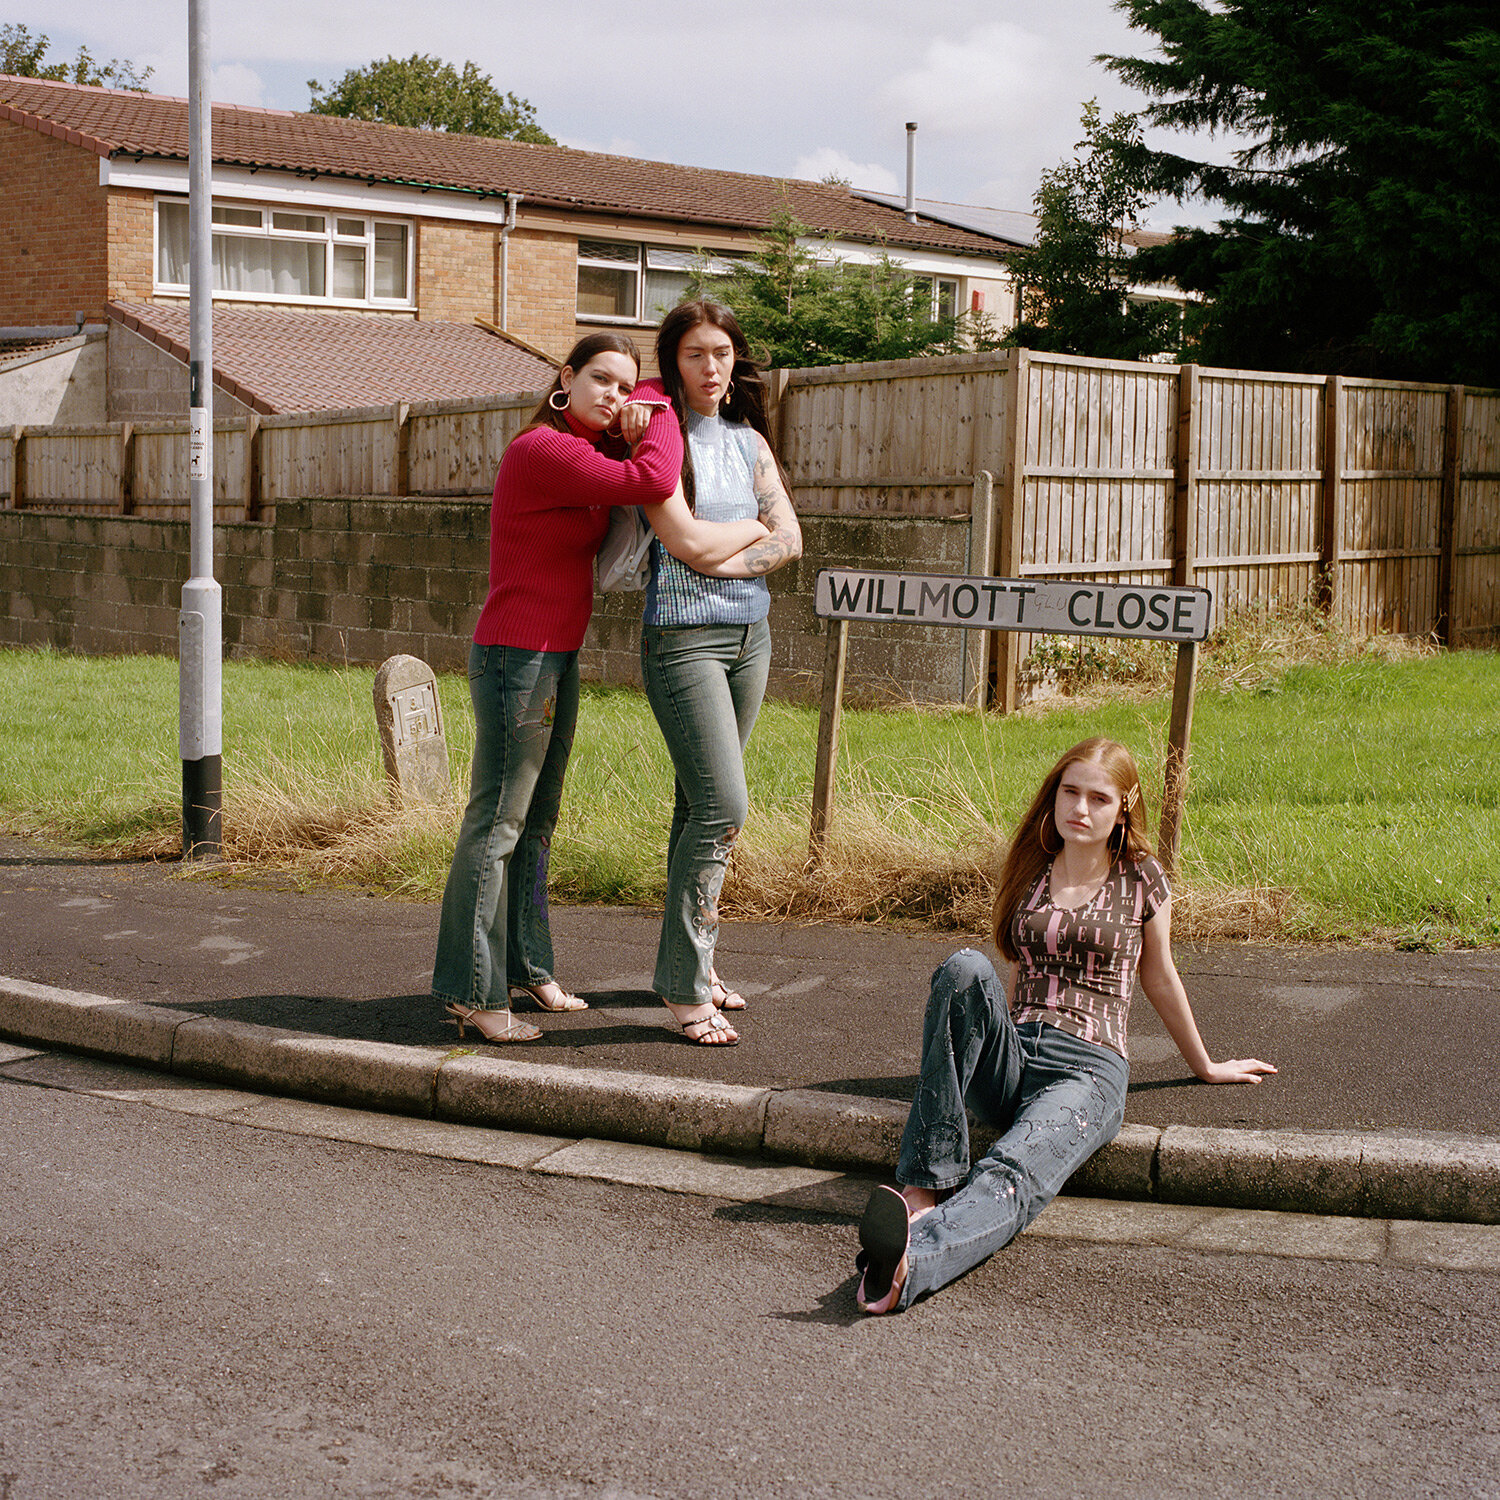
x: 800, y: 309
x: 1074, y: 283
x: 430, y: 94
x: 1363, y: 214
x: 23, y: 55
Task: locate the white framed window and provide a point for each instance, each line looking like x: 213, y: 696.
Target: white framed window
x: 278, y: 254
x: 620, y: 282
x: 940, y: 294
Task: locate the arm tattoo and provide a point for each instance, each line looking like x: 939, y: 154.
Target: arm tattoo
x: 775, y: 511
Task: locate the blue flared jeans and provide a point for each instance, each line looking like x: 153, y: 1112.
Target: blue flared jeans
x: 1056, y: 1098
x: 705, y: 684
x: 493, y: 931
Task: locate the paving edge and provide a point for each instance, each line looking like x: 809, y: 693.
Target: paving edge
x: 1421, y: 1176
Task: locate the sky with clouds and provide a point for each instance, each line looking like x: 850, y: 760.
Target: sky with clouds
x: 778, y: 87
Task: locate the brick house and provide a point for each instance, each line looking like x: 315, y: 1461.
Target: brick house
x: 358, y: 263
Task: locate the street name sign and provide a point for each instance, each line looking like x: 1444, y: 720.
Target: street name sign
x: 1138, y: 611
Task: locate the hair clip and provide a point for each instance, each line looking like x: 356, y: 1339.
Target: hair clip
x: 1132, y: 796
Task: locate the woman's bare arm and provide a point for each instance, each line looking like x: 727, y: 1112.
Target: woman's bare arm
x: 1164, y: 989
x: 704, y: 546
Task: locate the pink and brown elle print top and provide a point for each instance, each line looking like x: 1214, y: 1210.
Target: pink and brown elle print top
x: 1077, y: 967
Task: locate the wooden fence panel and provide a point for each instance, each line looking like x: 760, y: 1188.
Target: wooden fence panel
x: 8, y: 467
x: 161, y: 480
x: 1096, y: 476
x: 1393, y: 475
x: 329, y: 453
x: 1476, y: 529
x: 74, y: 469
x: 455, y: 446
x: 894, y: 438
x: 1259, y: 445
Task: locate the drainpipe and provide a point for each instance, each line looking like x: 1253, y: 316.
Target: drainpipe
x: 911, y: 171
x: 511, y: 199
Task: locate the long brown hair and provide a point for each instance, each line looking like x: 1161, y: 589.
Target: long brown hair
x: 547, y: 415
x: 1036, y: 838
x: 745, y: 403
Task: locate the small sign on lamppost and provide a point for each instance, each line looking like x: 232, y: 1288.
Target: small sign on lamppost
x: 1131, y: 611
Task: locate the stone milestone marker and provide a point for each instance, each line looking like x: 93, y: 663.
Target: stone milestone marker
x: 411, y: 730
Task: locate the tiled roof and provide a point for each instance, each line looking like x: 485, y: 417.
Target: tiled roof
x: 290, y: 361
x: 122, y: 123
x: 12, y: 349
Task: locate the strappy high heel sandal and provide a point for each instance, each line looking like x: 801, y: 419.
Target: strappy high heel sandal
x: 489, y: 1025
x: 565, y: 1001
x: 724, y: 997
x: 711, y: 1030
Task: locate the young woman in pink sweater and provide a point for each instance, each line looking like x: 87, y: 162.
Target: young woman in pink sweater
x: 557, y: 481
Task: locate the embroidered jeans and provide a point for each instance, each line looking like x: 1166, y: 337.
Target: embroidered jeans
x: 493, y: 931
x: 705, y: 684
x: 1056, y: 1098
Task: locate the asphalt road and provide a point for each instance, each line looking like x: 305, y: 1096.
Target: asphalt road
x: 189, y: 1307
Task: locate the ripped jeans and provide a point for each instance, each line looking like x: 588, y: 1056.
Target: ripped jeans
x: 1057, y: 1098
x: 705, y: 684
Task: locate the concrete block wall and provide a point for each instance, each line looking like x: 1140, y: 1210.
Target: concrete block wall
x: 360, y: 580
x: 146, y: 384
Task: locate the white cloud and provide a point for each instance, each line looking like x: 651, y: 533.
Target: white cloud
x: 617, y: 146
x: 993, y: 78
x: 234, y: 83
x: 830, y: 161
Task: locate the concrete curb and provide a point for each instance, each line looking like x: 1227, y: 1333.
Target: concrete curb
x: 1453, y: 1178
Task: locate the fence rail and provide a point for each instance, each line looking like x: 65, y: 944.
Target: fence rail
x: 1380, y: 499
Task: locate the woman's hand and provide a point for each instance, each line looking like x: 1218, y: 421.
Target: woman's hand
x: 1237, y: 1070
x: 635, y: 419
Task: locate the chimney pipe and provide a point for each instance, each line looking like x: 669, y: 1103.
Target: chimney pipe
x: 911, y: 171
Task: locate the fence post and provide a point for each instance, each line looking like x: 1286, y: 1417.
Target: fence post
x: 831, y: 712
x: 1185, y: 479
x: 976, y: 675
x: 776, y: 384
x: 401, y: 469
x: 1453, y: 450
x: 1331, y: 543
x: 127, y: 468
x: 252, y: 466
x: 1175, y: 773
x: 1006, y: 672
x: 18, y: 468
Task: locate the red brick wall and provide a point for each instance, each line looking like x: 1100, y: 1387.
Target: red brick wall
x: 53, y: 244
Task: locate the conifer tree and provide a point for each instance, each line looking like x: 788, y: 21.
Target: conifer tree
x: 1362, y: 216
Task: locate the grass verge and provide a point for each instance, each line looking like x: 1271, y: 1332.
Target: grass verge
x: 1338, y: 793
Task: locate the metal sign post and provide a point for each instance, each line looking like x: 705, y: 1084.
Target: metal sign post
x: 1127, y: 610
x: 200, y: 624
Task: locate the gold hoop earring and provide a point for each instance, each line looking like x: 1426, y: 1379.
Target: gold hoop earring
x: 551, y: 401
x: 728, y: 393
x: 1041, y: 837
